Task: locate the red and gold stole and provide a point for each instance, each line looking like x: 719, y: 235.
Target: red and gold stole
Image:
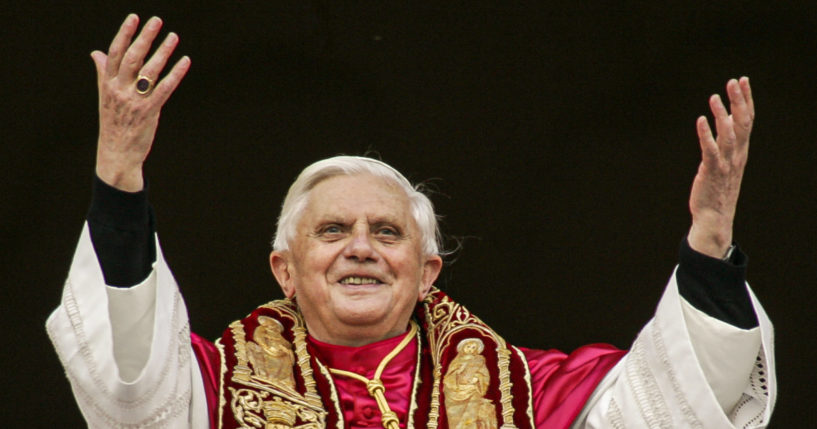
x: 467, y: 377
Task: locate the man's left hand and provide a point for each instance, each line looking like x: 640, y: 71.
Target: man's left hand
x: 716, y: 187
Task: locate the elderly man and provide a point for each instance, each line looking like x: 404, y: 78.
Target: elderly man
x: 363, y: 339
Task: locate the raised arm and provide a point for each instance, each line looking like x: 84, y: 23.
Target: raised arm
x: 120, y: 223
x: 716, y: 187
x: 126, y: 350
x: 706, y: 359
x: 131, y: 97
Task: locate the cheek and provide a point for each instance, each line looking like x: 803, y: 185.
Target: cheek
x: 403, y: 261
x: 315, y: 262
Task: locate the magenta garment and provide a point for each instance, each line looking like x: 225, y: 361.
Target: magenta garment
x: 561, y: 383
x: 210, y: 366
x: 359, y: 408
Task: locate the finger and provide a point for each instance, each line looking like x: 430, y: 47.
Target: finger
x: 709, y: 148
x: 157, y: 62
x: 746, y: 89
x: 135, y: 55
x: 723, y: 124
x: 120, y: 44
x: 100, y: 60
x: 741, y: 119
x: 170, y: 82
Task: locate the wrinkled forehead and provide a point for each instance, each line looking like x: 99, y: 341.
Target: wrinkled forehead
x: 363, y: 194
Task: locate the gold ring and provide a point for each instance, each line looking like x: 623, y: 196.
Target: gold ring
x: 144, y: 85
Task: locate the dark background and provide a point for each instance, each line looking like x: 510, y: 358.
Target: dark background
x: 559, y: 140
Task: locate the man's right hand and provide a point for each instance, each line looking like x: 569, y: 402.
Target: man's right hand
x: 128, y: 119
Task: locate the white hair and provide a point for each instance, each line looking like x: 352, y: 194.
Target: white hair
x: 298, y: 195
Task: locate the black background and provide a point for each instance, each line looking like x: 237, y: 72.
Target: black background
x: 559, y: 138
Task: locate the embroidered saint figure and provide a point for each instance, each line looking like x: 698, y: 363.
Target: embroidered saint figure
x: 270, y: 354
x: 464, y: 385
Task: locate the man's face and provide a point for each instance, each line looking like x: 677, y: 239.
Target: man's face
x: 356, y: 266
x: 470, y: 348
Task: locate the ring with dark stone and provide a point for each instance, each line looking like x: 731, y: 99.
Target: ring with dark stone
x: 143, y: 85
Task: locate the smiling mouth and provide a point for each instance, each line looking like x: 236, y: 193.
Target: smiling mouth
x: 353, y: 280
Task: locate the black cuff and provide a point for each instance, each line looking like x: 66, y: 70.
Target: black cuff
x: 122, y: 226
x: 716, y: 287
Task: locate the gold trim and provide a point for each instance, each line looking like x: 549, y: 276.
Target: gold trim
x: 241, y: 371
x: 528, y: 384
x: 333, y: 393
x: 413, y: 404
x: 222, y: 401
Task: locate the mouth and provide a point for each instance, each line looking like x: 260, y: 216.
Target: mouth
x: 360, y: 281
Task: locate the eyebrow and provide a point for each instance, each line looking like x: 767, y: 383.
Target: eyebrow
x: 387, y: 219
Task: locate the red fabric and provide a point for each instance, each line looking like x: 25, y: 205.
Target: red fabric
x: 358, y: 407
x: 563, y: 383
x: 210, y: 366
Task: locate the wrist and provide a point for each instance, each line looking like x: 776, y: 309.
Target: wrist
x: 713, y: 243
x: 123, y: 179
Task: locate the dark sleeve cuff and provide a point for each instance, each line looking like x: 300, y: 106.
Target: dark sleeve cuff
x: 716, y: 287
x: 122, y: 227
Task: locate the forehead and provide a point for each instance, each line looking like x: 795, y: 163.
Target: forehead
x: 357, y: 195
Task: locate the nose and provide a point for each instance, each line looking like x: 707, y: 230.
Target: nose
x: 360, y: 246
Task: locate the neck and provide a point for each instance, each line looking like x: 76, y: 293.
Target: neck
x: 356, y: 336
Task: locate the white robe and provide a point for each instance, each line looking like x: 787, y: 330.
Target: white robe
x: 127, y: 355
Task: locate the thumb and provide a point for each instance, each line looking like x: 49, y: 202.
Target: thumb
x: 100, y: 60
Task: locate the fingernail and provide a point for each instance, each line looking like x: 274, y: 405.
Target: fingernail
x: 172, y: 38
x: 154, y: 23
x: 131, y: 19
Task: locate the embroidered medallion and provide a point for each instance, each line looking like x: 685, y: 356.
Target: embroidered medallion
x: 448, y: 323
x: 270, y: 354
x: 464, y: 385
x: 261, y: 391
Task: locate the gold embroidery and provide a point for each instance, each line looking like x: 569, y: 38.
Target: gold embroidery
x: 447, y: 318
x: 270, y: 400
x: 287, y: 309
x: 252, y: 411
x: 241, y: 371
x: 256, y: 403
x: 271, y: 355
x: 465, y: 384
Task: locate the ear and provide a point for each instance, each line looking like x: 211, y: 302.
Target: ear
x: 431, y: 269
x: 281, y: 268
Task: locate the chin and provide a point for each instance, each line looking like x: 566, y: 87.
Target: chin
x: 362, y: 316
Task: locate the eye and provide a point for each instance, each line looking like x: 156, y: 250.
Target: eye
x: 331, y: 230
x: 387, y: 233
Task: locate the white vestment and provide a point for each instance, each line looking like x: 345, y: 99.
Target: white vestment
x: 127, y: 355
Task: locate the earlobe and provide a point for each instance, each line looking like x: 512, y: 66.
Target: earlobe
x: 431, y: 269
x: 280, y: 267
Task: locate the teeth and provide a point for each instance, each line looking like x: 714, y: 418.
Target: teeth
x: 359, y: 281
